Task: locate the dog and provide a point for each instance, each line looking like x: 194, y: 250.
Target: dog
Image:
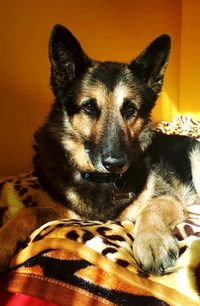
x: 99, y: 157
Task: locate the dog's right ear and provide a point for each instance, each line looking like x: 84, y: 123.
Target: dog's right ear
x: 67, y: 58
x: 150, y: 65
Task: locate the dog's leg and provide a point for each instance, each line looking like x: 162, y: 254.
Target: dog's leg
x: 19, y: 228
x: 155, y: 248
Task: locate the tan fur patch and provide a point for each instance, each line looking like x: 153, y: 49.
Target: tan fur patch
x: 97, y: 91
x: 75, y: 199
x: 134, y: 210
x: 121, y: 92
x: 78, y: 155
x: 136, y: 127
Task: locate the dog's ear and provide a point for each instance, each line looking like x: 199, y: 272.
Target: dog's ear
x: 67, y: 58
x: 150, y: 65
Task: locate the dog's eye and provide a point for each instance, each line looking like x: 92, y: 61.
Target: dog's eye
x: 129, y: 109
x: 89, y: 106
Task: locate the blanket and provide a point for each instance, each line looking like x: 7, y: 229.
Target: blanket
x: 73, y: 262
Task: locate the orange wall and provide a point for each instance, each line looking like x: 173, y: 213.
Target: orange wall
x: 189, y: 100
x: 108, y: 29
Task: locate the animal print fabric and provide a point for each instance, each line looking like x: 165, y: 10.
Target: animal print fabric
x: 102, y: 243
x: 181, y: 125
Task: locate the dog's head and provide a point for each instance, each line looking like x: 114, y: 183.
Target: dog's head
x: 106, y: 105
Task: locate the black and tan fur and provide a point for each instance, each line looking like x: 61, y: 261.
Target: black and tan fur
x: 99, y: 157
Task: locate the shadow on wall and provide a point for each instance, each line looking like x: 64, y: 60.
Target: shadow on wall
x: 165, y: 108
x: 19, y: 121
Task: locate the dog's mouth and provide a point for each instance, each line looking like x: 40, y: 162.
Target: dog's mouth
x: 97, y: 177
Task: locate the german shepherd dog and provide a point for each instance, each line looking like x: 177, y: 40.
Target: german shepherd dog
x: 98, y: 155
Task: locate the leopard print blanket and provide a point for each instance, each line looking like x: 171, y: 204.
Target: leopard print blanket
x: 73, y: 262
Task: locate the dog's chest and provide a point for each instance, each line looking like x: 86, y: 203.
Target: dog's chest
x: 98, y: 203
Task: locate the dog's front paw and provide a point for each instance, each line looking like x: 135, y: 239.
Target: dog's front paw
x: 155, y: 252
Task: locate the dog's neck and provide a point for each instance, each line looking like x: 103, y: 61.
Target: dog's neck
x: 118, y: 180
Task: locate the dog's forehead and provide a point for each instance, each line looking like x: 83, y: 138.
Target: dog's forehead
x: 110, y: 74
x: 108, y: 81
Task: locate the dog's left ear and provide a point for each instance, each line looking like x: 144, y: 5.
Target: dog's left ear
x: 150, y: 65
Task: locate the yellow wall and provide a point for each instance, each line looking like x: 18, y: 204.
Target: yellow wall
x: 107, y: 29
x: 189, y: 99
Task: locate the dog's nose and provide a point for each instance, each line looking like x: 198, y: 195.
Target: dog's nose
x: 115, y: 164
